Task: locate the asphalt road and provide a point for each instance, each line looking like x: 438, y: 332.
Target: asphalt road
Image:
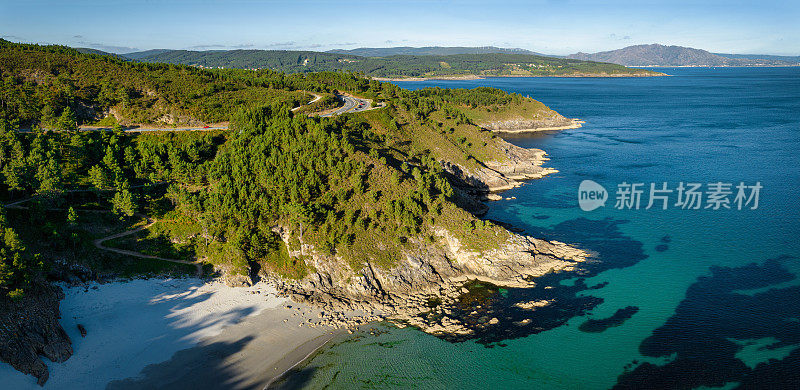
x: 351, y: 104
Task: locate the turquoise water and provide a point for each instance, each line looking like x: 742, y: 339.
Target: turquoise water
x: 716, y: 290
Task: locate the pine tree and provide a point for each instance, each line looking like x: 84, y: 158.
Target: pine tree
x: 49, y: 176
x: 123, y: 203
x: 72, y: 217
x: 67, y: 121
x: 98, y: 177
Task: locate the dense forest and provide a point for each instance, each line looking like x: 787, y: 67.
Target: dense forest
x: 484, y: 64
x: 361, y: 187
x: 58, y: 87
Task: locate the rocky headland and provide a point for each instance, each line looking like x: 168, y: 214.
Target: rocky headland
x: 431, y: 277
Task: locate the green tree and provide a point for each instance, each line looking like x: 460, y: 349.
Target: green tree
x: 14, y: 264
x: 72, y: 217
x: 98, y: 178
x: 49, y: 176
x: 123, y: 203
x: 68, y: 121
x: 48, y: 115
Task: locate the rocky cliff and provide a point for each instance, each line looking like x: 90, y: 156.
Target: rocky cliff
x: 521, y: 164
x: 437, y: 271
x: 517, y: 124
x: 29, y: 329
x: 433, y: 272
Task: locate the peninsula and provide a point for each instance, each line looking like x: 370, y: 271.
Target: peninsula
x: 375, y: 212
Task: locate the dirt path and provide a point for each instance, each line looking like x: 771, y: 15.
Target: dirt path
x: 316, y: 97
x: 98, y: 243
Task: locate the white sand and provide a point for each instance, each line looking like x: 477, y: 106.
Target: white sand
x: 131, y: 325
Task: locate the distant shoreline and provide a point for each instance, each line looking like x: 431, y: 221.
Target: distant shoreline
x: 713, y: 66
x: 476, y: 77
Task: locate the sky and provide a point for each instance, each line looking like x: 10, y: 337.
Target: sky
x: 551, y: 26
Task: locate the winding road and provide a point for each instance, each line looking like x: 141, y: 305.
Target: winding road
x: 351, y: 104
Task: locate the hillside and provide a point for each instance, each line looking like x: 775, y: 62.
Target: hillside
x: 395, y: 66
x: 428, y: 51
x: 109, y: 90
x: 660, y: 55
x: 378, y: 209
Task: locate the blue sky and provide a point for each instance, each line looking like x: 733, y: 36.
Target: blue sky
x: 554, y: 26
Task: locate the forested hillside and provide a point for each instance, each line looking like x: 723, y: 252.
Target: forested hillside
x: 264, y: 197
x: 58, y: 87
x: 399, y: 66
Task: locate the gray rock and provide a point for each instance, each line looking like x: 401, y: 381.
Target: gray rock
x: 30, y: 330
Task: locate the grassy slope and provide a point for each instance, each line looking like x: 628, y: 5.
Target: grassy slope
x: 519, y: 109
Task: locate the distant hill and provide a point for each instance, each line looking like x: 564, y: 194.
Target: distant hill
x: 144, y: 54
x: 428, y: 51
x: 660, y: 55
x: 795, y: 59
x: 87, y: 50
x: 283, y: 60
x: 395, y: 66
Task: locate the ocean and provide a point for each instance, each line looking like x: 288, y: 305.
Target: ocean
x: 680, y: 297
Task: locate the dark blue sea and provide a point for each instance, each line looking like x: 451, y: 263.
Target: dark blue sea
x: 680, y: 298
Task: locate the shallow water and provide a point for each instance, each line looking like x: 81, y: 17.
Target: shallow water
x: 686, y: 297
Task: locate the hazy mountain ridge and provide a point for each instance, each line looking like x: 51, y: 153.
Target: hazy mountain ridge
x: 661, y: 55
x: 638, y: 55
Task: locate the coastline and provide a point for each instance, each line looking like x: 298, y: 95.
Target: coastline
x: 279, y: 348
x: 260, y: 345
x: 251, y: 354
x: 574, y: 124
x: 713, y: 66
x: 476, y: 77
x: 454, y: 77
x: 136, y: 330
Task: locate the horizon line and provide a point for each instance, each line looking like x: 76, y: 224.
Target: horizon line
x: 211, y: 47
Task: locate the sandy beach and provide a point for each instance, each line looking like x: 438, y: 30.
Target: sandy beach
x: 178, y: 333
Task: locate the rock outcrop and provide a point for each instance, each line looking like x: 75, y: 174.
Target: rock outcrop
x: 432, y: 272
x: 528, y: 124
x: 29, y: 329
x: 521, y: 164
x: 437, y: 271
